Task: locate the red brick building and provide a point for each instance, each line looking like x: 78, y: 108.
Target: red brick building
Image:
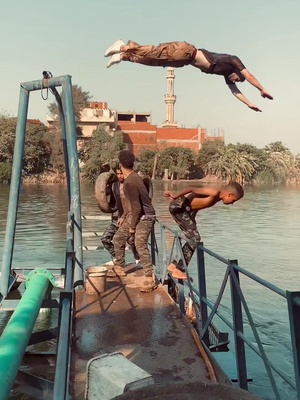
x: 140, y: 134
x: 143, y: 135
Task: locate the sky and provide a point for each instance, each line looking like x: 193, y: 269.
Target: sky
x: 70, y: 37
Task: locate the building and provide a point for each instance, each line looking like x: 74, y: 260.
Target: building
x: 138, y: 131
x: 170, y: 100
x: 91, y: 117
x: 140, y: 134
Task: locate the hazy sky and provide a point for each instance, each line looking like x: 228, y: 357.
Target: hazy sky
x: 70, y: 37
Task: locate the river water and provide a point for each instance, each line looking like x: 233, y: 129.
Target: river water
x: 261, y: 231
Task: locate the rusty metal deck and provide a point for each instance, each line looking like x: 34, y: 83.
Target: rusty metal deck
x: 147, y: 328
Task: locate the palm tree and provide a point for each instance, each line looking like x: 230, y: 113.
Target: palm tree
x: 280, y: 164
x: 229, y: 164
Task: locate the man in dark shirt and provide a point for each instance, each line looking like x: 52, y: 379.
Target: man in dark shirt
x: 135, y: 224
x: 110, y: 231
x: 179, y: 54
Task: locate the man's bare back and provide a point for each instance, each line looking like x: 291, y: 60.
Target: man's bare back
x: 205, y: 197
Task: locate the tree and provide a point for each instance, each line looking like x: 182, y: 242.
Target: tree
x: 146, y: 161
x: 8, y: 126
x: 178, y: 160
x: 56, y: 157
x: 279, y: 165
x: 101, y: 149
x: 5, y: 172
x: 80, y: 101
x: 277, y: 147
x: 229, y: 164
x: 208, y: 150
x: 37, y: 148
x: 36, y: 151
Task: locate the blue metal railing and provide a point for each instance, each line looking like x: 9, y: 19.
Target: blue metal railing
x: 72, y: 169
x: 74, y: 257
x: 202, y: 303
x: 64, y: 340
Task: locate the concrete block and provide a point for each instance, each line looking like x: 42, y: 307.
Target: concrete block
x: 110, y: 375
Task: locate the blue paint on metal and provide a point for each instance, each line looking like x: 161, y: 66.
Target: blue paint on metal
x: 254, y: 277
x: 153, y: 246
x: 62, y: 370
x: 217, y: 302
x: 202, y: 290
x: 163, y: 251
x: 14, y: 192
x: 63, y: 359
x: 64, y: 138
x: 238, y: 300
x: 237, y: 316
x: 74, y: 177
x: 39, y: 84
x: 43, y: 278
x: 294, y: 317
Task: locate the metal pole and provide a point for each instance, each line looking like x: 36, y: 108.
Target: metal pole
x: 202, y: 291
x: 153, y: 245
x: 238, y: 327
x: 180, y: 284
x: 293, y: 299
x: 63, y: 132
x: 61, y: 380
x: 163, y: 252
x: 74, y: 177
x: 63, y: 358
x: 14, y: 191
x: 16, y: 335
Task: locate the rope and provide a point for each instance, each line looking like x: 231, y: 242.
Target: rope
x: 46, y: 75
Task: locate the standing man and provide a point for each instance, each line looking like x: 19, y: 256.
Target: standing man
x: 137, y: 223
x: 179, y: 54
x: 110, y: 231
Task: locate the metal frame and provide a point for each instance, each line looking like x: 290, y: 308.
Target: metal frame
x: 65, y: 106
x: 239, y: 304
x: 27, y: 383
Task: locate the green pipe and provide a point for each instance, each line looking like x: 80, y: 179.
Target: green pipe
x: 17, y: 332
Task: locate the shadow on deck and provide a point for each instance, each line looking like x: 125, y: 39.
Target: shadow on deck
x: 147, y: 328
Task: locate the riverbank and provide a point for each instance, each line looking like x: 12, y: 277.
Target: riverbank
x: 60, y: 178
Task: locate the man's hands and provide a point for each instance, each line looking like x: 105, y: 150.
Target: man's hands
x: 170, y: 195
x: 266, y: 95
x: 254, y: 108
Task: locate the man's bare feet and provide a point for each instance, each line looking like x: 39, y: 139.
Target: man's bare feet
x: 178, y: 274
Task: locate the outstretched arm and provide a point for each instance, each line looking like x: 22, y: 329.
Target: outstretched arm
x: 204, y: 191
x: 239, y: 95
x: 251, y: 79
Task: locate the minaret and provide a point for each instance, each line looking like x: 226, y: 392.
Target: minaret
x: 170, y: 100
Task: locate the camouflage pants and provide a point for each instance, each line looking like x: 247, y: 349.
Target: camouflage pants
x: 173, y: 54
x: 185, y: 218
x: 142, y: 233
x: 107, y: 240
